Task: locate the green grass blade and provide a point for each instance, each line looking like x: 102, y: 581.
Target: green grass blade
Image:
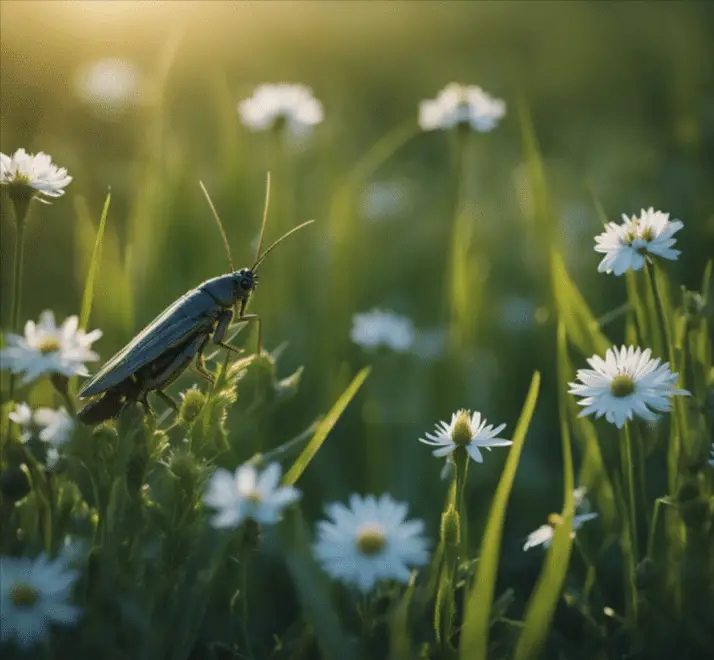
x: 542, y: 210
x: 94, y: 266
x: 326, y: 425
x: 580, y: 323
x: 312, y: 588
x: 706, y: 279
x: 474, y: 635
x: 400, y: 643
x: 541, y: 606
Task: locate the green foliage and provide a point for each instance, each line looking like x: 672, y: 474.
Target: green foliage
x: 474, y: 636
x: 510, y: 220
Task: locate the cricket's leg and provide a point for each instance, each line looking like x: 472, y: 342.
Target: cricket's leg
x: 248, y: 318
x: 167, y: 400
x: 144, y: 401
x: 200, y: 363
x: 223, y: 323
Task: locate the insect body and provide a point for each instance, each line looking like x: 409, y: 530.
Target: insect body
x: 179, y: 335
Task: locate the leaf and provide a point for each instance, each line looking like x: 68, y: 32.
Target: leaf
x: 541, y: 606
x: 326, y: 425
x: 94, y: 266
x: 474, y: 635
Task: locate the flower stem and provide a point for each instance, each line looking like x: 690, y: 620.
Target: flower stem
x: 461, y: 458
x: 632, y: 552
x: 21, y: 209
x: 653, y: 528
x: 664, y: 323
x: 244, y: 604
x: 459, y: 225
x: 630, y: 479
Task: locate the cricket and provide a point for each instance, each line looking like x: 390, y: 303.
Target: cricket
x: 163, y: 350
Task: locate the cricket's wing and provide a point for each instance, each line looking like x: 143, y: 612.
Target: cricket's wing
x: 195, y: 311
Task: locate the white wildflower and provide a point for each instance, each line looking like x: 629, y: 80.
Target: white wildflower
x: 545, y: 533
x: 382, y: 328
x: 626, y: 382
x: 629, y: 245
x: 45, y: 348
x: 52, y: 426
x: 468, y: 431
x: 275, y: 105
x: 27, y: 175
x: 461, y: 105
x: 248, y: 494
x: 369, y: 541
x: 33, y: 595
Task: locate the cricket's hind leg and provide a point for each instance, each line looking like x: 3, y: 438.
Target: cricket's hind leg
x: 106, y: 407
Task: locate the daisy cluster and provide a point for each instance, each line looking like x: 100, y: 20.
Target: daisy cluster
x: 369, y: 539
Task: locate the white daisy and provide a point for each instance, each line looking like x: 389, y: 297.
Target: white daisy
x: 52, y: 426
x: 370, y: 541
x: 56, y: 426
x: 247, y: 494
x: 629, y: 245
x: 33, y: 595
x: 376, y: 328
x: 544, y: 534
x: 22, y: 416
x: 27, y: 174
x: 626, y: 382
x: 275, y: 105
x: 461, y: 105
x: 45, y: 348
x: 468, y: 431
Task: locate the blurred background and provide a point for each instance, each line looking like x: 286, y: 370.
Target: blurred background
x: 141, y: 97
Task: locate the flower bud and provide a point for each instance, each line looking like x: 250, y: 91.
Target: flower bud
x: 461, y: 433
x: 192, y: 404
x: 451, y: 527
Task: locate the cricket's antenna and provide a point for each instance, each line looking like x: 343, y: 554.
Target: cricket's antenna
x: 265, y: 218
x: 280, y: 240
x: 220, y: 226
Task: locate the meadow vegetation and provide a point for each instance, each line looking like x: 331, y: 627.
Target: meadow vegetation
x: 481, y: 425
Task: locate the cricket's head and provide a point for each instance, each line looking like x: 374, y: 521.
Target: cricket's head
x: 244, y: 283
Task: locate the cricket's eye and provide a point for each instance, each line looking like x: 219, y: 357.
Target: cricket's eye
x: 246, y: 284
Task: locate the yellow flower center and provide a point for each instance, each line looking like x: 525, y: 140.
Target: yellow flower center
x: 254, y: 497
x: 23, y: 595
x: 20, y: 179
x: 370, y: 539
x: 49, y: 345
x: 647, y: 235
x: 622, y: 386
x: 461, y: 433
x: 554, y: 519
